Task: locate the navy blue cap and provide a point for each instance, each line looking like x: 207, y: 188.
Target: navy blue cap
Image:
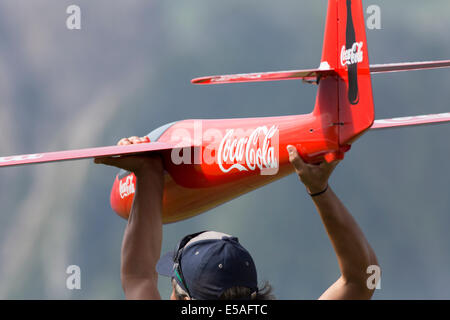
x: 211, y: 263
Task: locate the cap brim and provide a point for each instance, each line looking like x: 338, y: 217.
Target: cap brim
x: 165, y: 264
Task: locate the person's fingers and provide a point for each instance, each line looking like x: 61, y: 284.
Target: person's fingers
x: 124, y: 142
x: 143, y: 140
x: 295, y: 158
x: 335, y: 163
x: 324, y: 164
x: 332, y: 163
x: 134, y: 139
x: 137, y: 140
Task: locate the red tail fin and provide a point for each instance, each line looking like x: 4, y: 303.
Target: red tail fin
x: 347, y: 99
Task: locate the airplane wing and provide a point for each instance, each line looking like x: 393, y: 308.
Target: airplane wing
x: 307, y: 75
x: 311, y: 75
x: 84, y: 153
x: 411, y: 121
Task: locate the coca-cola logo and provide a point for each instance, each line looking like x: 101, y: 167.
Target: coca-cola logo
x: 21, y: 158
x: 353, y: 55
x: 245, y: 153
x: 126, y: 188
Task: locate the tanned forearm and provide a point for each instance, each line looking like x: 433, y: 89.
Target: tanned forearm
x: 353, y: 251
x: 141, y: 246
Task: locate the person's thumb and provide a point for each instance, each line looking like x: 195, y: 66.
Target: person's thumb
x: 295, y: 158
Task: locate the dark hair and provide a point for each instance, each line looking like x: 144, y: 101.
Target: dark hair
x: 243, y: 293
x: 234, y: 293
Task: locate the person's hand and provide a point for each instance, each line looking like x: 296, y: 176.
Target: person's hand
x: 137, y: 164
x: 314, y: 177
x: 133, y: 140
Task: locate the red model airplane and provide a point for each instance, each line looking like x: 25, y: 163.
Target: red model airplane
x: 209, y: 162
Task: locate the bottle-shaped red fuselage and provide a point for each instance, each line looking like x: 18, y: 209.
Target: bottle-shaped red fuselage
x: 217, y: 160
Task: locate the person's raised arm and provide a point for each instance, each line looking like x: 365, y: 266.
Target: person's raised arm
x: 353, y: 251
x: 141, y: 246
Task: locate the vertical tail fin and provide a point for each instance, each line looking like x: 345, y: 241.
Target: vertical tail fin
x: 347, y: 100
x: 356, y: 110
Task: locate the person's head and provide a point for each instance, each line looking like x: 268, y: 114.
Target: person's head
x: 211, y: 265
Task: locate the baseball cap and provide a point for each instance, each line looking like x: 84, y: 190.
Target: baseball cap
x: 207, y: 263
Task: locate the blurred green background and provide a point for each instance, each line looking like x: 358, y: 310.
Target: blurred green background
x: 128, y: 71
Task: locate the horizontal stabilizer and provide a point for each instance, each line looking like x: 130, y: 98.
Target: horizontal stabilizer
x: 83, y: 153
x: 408, y: 66
x: 411, y: 121
x: 310, y: 75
